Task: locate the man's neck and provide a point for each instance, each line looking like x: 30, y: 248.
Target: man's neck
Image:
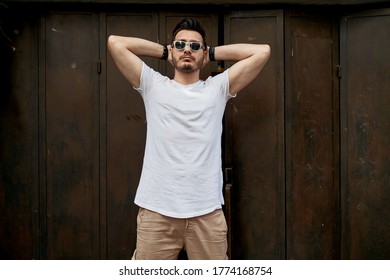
x: 186, y: 78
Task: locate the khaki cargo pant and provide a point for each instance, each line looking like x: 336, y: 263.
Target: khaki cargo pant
x: 162, y: 238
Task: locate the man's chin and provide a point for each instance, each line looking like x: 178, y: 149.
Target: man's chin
x: 186, y: 68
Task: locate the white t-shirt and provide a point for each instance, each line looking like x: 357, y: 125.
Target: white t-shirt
x: 182, y: 169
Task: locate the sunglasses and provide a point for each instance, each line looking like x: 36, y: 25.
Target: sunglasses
x: 194, y: 46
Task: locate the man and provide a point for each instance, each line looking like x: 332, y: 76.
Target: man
x: 180, y: 190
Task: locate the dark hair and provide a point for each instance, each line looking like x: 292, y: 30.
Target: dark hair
x: 190, y: 24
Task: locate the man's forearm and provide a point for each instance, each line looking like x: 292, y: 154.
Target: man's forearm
x: 137, y: 46
x: 248, y: 59
x: 237, y: 52
x: 126, y: 52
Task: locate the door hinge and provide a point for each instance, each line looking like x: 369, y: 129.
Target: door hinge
x: 339, y: 72
x: 99, y: 67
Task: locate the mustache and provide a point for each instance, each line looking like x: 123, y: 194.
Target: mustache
x: 187, y: 56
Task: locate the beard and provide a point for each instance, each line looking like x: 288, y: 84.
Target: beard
x: 187, y: 66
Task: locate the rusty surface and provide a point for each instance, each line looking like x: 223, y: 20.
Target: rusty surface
x: 18, y: 138
x: 312, y: 187
x: 366, y: 138
x: 126, y: 134
x: 71, y: 133
x: 254, y: 128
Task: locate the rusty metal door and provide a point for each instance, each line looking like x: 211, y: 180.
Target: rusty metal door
x: 124, y: 125
x: 312, y: 136
x: 365, y: 44
x: 18, y: 137
x: 254, y: 137
x: 68, y: 134
x: 281, y: 140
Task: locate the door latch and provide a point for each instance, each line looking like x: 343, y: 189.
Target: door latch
x: 228, y: 175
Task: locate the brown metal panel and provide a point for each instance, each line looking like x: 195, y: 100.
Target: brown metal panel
x: 18, y: 138
x: 71, y: 104
x: 366, y: 136
x: 311, y: 155
x: 255, y: 134
x: 126, y: 132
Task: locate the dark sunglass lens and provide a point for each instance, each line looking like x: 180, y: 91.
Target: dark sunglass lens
x: 195, y: 46
x: 180, y: 45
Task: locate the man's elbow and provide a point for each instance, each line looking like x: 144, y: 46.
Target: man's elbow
x: 265, y: 51
x: 112, y: 40
x: 263, y: 54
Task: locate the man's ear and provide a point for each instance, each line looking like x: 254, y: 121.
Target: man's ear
x: 170, y: 50
x: 205, y: 58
